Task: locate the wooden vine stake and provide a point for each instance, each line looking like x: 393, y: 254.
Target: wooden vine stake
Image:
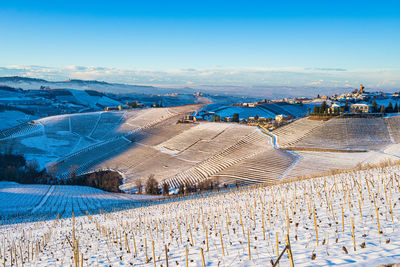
x: 166, y: 255
x: 289, y: 251
x: 248, y: 243
x: 222, y: 243
x: 277, y: 246
x: 186, y: 256
x: 377, y: 217
x: 154, y: 255
x: 391, y: 211
x: 207, y: 239
x: 134, y: 243
x: 352, y: 231
x: 342, y: 218
x: 263, y: 225
x: 316, y: 226
x: 202, y: 258
x: 191, y: 237
x: 145, y: 249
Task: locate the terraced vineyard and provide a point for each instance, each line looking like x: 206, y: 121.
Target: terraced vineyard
x: 265, y: 167
x: 394, y: 128
x: 144, y: 142
x: 335, y: 134
x: 290, y: 134
x: 80, y: 141
x: 191, y: 154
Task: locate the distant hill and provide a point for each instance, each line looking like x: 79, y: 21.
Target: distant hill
x: 19, y: 79
x: 33, y: 83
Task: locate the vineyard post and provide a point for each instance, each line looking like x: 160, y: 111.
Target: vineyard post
x: 166, y: 255
x: 352, y: 231
x: 342, y: 218
x: 316, y: 226
x: 277, y: 246
x: 145, y: 249
x: 289, y: 251
x: 248, y: 243
x: 202, y: 257
x: 191, y: 237
x: 222, y: 243
x: 207, y: 239
x: 134, y: 243
x: 154, y: 255
x: 186, y: 256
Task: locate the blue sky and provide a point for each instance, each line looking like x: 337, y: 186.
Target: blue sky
x: 297, y: 43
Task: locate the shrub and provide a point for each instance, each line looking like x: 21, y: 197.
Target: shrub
x: 15, y: 168
x: 165, y: 189
x: 152, y: 185
x: 105, y: 180
x: 206, y: 185
x: 181, y: 190
x: 190, y: 188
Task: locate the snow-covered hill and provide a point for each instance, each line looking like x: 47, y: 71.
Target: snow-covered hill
x: 32, y: 83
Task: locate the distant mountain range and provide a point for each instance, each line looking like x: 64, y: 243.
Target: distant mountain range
x: 260, y: 91
x: 33, y: 83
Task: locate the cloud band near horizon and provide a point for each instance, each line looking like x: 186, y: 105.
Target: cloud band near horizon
x: 285, y: 76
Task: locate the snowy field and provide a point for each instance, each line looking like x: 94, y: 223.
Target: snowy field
x: 244, y: 112
x: 349, y: 218
x: 11, y: 118
x: 269, y: 110
x: 27, y: 202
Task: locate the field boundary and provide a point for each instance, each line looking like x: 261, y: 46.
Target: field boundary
x: 324, y: 149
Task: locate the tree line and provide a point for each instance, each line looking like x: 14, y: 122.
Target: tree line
x: 152, y: 187
x: 16, y: 168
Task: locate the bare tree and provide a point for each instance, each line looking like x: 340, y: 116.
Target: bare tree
x: 52, y: 169
x: 139, y: 185
x: 72, y: 172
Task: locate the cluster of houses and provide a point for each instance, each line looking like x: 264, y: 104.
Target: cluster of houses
x: 360, y: 101
x: 128, y: 105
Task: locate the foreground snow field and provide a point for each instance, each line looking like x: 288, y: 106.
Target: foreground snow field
x: 348, y: 218
x: 20, y: 202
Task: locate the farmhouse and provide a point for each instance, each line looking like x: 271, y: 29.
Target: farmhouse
x: 189, y: 119
x: 332, y: 109
x: 279, y: 118
x: 360, y: 108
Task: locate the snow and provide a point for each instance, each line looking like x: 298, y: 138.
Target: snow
x: 106, y: 101
x: 84, y: 98
x: 244, y: 112
x: 11, y: 118
x: 21, y: 202
x: 88, y: 100
x: 305, y: 208
x: 51, y: 143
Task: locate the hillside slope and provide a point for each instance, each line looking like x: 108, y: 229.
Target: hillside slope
x: 348, y: 218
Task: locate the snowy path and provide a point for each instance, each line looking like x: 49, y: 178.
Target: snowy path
x: 275, y: 144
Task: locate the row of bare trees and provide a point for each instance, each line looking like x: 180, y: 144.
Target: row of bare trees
x: 151, y: 186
